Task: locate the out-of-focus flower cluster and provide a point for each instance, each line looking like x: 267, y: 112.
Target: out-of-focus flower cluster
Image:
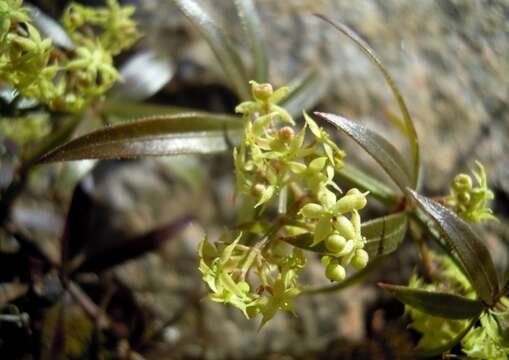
x: 488, y: 340
x: 468, y: 201
x: 65, y: 80
x: 279, y: 166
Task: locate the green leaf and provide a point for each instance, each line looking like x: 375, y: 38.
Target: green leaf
x: 222, y: 48
x: 364, y: 182
x: 253, y: 31
x: 448, y: 346
x: 191, y: 133
x: 304, y: 93
x: 440, y: 304
x: 410, y: 128
x: 383, y: 236
x: 126, y: 110
x: 378, y: 147
x: 469, y: 248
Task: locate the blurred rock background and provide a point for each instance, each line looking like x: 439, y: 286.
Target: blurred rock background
x: 450, y: 59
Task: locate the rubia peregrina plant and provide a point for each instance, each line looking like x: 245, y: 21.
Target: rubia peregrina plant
x: 64, y: 79
x: 279, y: 169
x: 290, y: 201
x: 47, y: 83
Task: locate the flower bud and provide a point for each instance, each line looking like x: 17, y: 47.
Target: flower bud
x: 345, y: 227
x: 335, y: 272
x: 335, y: 243
x: 326, y: 197
x: 257, y: 190
x: 286, y: 133
x: 262, y: 91
x: 462, y: 182
x: 360, y: 259
x: 353, y: 200
x: 311, y: 211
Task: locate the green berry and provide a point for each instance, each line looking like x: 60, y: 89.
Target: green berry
x: 353, y: 200
x: 335, y: 272
x: 335, y: 243
x: 360, y: 259
x: 311, y: 211
x: 345, y: 227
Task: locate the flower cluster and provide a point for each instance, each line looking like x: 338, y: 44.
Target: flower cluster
x: 225, y: 268
x: 484, y: 341
x: 64, y: 79
x: 468, y: 201
x: 278, y: 166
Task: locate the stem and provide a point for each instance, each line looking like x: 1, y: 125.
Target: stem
x: 423, y: 249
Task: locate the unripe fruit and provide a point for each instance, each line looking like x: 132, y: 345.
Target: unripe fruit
x: 335, y: 272
x: 353, y: 200
x: 360, y: 259
x: 262, y: 91
x: 335, y: 243
x: 345, y: 227
x: 311, y: 211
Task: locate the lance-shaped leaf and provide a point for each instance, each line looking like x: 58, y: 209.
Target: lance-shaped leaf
x: 139, y: 85
x: 100, y: 259
x: 378, y: 147
x: 410, y: 128
x: 364, y: 182
x: 383, y: 236
x: 253, y: 31
x: 469, y: 248
x: 192, y: 133
x: 440, y: 304
x: 222, y: 48
x: 305, y: 92
x: 439, y: 350
x: 126, y: 110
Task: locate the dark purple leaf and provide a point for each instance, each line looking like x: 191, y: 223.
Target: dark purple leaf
x: 468, y: 246
x: 377, y: 146
x: 440, y: 304
x: 99, y: 259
